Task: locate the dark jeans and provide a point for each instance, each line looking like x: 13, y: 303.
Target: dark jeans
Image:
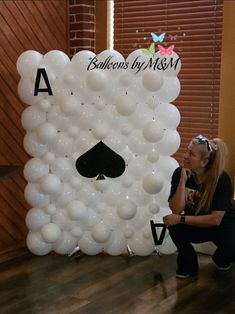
x: 223, y: 236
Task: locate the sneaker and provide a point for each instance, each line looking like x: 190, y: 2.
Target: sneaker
x: 182, y: 275
x: 222, y: 267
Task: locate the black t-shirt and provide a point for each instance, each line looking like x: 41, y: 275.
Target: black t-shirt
x: 222, y: 199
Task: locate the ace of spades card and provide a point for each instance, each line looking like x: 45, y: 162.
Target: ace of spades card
x: 101, y: 131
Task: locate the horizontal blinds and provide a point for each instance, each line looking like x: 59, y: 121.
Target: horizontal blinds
x: 198, y: 26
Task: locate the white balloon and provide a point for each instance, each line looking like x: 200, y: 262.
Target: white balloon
x: 69, y: 105
x: 33, y: 146
x: 152, y: 80
x: 67, y: 195
x: 168, y: 115
x: 97, y: 80
x: 125, y: 105
x: 167, y: 247
x: 171, y: 64
x: 62, y: 220
x: 138, y: 144
x: 77, y: 232
x: 140, y: 245
x: 48, y: 157
x: 154, y: 208
x: 152, y: 184
x: 50, y: 232
x: 88, y: 245
x: 37, y: 245
x: 116, y: 244
x: 56, y: 117
x: 153, y: 131
x: 166, y: 166
x: 56, y: 60
x: 100, y: 233
x: 34, y: 169
x: 169, y: 143
x: 36, y: 218
x: 50, y: 209
x: 50, y: 184
x: 65, y: 244
x: 63, y: 144
x: 35, y: 197
x: 153, y: 156
x: 44, y: 104
x: 82, y: 60
x: 170, y: 89
x: 31, y: 118
x: 28, y: 62
x: 77, y: 210
x: 126, y: 209
x: 126, y: 79
x: 25, y: 91
x: 100, y: 129
x: 62, y: 167
x: 46, y: 133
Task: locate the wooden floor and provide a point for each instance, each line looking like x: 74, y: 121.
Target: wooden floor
x: 104, y: 284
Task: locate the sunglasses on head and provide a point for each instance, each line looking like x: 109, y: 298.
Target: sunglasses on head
x: 203, y: 140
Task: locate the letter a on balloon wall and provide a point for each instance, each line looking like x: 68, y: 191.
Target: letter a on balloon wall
x: 100, y: 130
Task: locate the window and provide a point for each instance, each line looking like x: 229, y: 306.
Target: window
x: 198, y: 26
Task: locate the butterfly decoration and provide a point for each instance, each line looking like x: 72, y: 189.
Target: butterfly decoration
x: 168, y: 50
x: 149, y: 51
x: 173, y: 37
x: 157, y: 38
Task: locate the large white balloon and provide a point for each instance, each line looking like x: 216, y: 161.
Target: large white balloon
x: 37, y: 245
x: 36, y: 218
x: 28, y: 62
x: 34, y: 169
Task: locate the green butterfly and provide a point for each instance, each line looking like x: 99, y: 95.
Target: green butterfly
x: 149, y: 51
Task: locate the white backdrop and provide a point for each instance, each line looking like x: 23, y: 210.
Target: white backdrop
x: 98, y: 98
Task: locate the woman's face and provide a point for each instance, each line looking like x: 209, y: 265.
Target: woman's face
x: 192, y: 158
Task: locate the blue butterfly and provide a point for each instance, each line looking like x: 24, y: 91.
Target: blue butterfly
x: 157, y: 38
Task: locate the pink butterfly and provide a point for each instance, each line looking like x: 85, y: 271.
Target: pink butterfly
x: 168, y: 50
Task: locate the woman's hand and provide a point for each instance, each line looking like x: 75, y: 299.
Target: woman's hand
x: 171, y: 220
x: 185, y: 174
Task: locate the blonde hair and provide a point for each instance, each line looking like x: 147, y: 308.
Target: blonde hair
x: 216, y: 156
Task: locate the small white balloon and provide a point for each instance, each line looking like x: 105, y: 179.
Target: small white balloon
x: 65, y: 244
x: 126, y: 209
x: 88, y: 245
x: 50, y: 232
x: 125, y: 105
x: 77, y: 210
x: 100, y: 233
x: 47, y: 133
x: 97, y: 80
x: 50, y: 184
x: 152, y: 184
x: 153, y: 131
x: 152, y: 80
x: 69, y: 104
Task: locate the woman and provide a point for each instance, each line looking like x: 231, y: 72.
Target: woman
x: 201, y: 204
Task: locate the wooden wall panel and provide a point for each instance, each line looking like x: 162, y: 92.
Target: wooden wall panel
x: 24, y: 25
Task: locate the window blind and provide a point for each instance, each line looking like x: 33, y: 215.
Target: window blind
x: 198, y: 26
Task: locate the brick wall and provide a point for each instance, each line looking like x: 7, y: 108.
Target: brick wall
x: 81, y: 26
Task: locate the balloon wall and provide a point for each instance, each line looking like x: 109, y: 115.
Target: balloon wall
x: 101, y: 131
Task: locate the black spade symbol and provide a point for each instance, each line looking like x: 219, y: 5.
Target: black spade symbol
x: 100, y: 161
x: 158, y: 241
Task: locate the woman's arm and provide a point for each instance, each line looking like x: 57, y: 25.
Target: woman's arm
x: 177, y: 201
x: 209, y: 220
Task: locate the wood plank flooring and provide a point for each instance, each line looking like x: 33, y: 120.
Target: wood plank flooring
x: 102, y: 284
